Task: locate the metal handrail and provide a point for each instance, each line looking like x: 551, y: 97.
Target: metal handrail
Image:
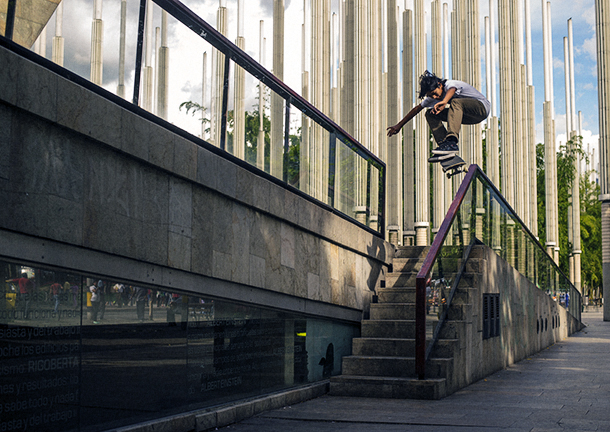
x: 423, y: 275
x: 231, y: 51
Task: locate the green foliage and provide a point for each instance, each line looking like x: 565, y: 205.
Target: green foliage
x: 591, y: 235
x: 590, y: 209
x: 252, y: 124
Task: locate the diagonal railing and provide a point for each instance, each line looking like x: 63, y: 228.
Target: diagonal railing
x: 480, y: 214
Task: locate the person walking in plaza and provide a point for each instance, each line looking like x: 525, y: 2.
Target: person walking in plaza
x: 451, y: 101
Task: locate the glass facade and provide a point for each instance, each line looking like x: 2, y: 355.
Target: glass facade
x: 79, y: 352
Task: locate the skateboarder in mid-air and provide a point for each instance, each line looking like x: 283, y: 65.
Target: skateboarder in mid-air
x: 451, y: 101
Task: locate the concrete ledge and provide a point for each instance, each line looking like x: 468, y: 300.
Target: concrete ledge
x: 224, y: 415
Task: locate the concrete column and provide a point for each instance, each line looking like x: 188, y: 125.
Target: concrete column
x: 576, y: 185
x: 97, y: 38
x: 422, y: 143
x: 120, y: 91
x: 204, y: 96
x: 448, y: 189
x: 407, y: 131
x: 239, y: 112
x: 277, y: 103
x: 304, y: 156
x: 148, y: 78
x: 506, y: 96
x: 57, y: 53
x: 163, y: 70
x: 260, y: 142
x: 438, y: 202
x: 394, y: 147
x: 218, y: 71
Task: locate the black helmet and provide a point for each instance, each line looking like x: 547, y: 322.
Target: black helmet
x: 428, y: 82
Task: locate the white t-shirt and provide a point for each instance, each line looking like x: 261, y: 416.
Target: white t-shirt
x: 462, y: 90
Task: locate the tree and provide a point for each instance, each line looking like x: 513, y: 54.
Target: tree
x: 590, y: 208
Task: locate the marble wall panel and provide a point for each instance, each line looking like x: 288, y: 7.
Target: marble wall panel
x: 226, y: 177
x: 207, y: 168
x: 221, y: 265
x: 222, y: 221
x: 185, y: 158
x: 180, y: 207
x: 179, y: 251
x: 242, y: 221
x: 85, y: 112
x: 244, y: 190
x: 313, y: 287
x: 39, y: 92
x: 204, y: 204
x: 160, y: 144
x: 257, y: 271
x: 287, y: 234
x: 8, y: 76
x: 6, y: 121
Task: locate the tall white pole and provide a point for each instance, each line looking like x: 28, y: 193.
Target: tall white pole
x: 163, y: 71
x: 602, y: 26
x: 121, y: 86
x: 97, y: 36
x: 260, y: 141
x: 57, y: 53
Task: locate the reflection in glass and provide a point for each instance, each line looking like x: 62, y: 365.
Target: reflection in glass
x: 89, y: 353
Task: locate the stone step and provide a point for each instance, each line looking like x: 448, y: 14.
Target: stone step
x: 387, y: 387
x: 392, y: 311
x: 407, y: 265
x: 397, y: 367
x: 392, y: 347
x: 396, y: 295
x: 408, y: 280
x: 388, y: 328
x: 412, y: 252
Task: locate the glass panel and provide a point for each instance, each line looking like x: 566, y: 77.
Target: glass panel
x: 96, y: 353
x: 188, y: 92
x: 40, y: 332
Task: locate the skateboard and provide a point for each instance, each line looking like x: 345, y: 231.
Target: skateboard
x: 455, y: 165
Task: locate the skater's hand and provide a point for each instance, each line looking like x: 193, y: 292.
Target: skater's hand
x: 393, y: 130
x: 438, y: 107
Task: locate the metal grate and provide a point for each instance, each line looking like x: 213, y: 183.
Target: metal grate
x: 491, y: 315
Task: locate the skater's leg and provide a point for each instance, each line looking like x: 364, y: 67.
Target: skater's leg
x: 464, y: 111
x: 435, y: 121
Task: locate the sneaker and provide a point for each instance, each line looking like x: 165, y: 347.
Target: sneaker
x: 448, y: 146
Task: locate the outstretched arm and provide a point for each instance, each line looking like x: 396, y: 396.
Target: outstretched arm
x: 393, y: 130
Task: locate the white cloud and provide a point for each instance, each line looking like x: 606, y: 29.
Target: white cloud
x: 589, y: 47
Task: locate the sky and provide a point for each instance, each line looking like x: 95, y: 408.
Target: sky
x: 186, y: 51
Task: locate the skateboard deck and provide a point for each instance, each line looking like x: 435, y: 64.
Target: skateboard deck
x: 455, y: 165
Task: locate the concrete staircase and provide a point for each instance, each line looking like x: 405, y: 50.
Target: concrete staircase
x: 382, y: 364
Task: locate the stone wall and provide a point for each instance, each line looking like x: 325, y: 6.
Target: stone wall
x: 88, y: 183
x: 530, y: 320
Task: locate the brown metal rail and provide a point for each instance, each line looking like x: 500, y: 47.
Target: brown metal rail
x: 424, y: 273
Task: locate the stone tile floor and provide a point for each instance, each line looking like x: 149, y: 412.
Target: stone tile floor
x: 565, y: 387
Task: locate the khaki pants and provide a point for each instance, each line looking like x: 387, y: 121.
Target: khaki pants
x: 461, y: 111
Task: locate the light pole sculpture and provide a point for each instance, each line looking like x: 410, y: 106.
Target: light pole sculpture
x: 602, y: 26
x: 239, y: 112
x: 277, y: 102
x: 120, y: 91
x: 394, y: 147
x: 97, y: 38
x: 407, y: 131
x: 422, y: 142
x: 57, y: 53
x: 163, y: 70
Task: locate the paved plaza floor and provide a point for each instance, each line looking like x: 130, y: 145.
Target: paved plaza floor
x: 566, y: 387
